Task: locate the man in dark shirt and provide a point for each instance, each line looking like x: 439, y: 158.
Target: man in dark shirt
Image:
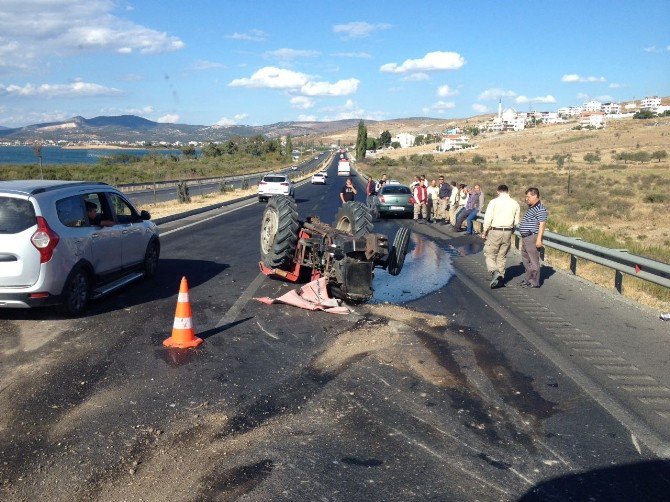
x: 94, y: 218
x: 348, y: 191
x: 531, y: 229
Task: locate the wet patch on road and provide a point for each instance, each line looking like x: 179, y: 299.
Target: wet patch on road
x: 362, y: 462
x: 428, y: 267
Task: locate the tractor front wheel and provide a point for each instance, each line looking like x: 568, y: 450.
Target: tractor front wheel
x: 279, y: 231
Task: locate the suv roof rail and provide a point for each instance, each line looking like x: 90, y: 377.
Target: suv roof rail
x: 66, y: 185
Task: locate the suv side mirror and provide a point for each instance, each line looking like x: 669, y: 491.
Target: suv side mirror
x: 145, y: 215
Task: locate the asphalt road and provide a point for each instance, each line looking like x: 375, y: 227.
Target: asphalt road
x: 143, y: 197
x: 434, y: 391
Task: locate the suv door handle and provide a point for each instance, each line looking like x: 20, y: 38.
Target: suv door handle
x: 95, y: 235
x: 125, y: 231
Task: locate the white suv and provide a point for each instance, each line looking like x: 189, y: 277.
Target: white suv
x: 66, y: 242
x: 275, y: 184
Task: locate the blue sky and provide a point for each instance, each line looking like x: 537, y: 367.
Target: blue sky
x: 223, y: 62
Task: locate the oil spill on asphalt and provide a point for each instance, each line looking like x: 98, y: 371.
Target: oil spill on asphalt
x: 515, y: 388
x: 498, y: 464
x: 426, y: 260
x: 285, y: 398
x: 362, y: 462
x: 466, y: 248
x: 233, y: 483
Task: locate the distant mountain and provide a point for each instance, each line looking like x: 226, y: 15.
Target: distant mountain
x: 3, y: 127
x: 133, y: 128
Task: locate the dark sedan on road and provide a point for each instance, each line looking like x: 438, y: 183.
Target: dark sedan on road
x: 393, y: 199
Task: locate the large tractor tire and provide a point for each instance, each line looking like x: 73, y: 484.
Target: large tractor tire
x: 397, y: 254
x: 355, y: 218
x: 279, y: 231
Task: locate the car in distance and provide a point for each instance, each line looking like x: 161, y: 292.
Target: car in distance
x: 67, y: 242
x: 274, y: 184
x: 393, y: 199
x: 318, y: 179
x: 294, y: 168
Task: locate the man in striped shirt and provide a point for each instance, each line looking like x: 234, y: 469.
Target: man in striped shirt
x: 531, y: 229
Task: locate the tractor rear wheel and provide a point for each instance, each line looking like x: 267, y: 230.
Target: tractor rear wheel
x: 355, y: 218
x: 397, y: 254
x: 279, y: 231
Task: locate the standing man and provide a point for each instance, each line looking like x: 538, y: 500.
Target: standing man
x: 420, y: 194
x: 453, y: 202
x: 478, y: 208
x: 531, y: 229
x: 502, y: 215
x: 443, y: 200
x: 433, y: 200
x: 348, y: 192
x: 381, y: 182
x: 370, y: 191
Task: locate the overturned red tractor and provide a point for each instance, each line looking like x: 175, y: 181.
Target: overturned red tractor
x: 345, y: 254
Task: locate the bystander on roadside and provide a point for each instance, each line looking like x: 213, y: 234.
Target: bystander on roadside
x: 478, y: 206
x: 433, y: 200
x: 348, y: 192
x: 502, y: 215
x: 532, y: 228
x: 443, y: 200
x: 420, y: 195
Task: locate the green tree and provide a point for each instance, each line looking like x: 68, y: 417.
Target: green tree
x: 395, y: 144
x: 451, y: 161
x: 385, y: 139
x: 644, y: 114
x: 591, y: 157
x: 419, y: 140
x: 188, y: 151
x: 211, y: 150
x: 371, y: 144
x: 478, y: 160
x: 659, y: 155
x: 361, y: 140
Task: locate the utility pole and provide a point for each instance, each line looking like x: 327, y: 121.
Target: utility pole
x: 38, y: 153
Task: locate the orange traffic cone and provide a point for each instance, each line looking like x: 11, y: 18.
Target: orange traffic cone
x: 183, y: 334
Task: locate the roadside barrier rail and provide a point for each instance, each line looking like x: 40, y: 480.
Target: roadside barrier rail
x: 620, y: 260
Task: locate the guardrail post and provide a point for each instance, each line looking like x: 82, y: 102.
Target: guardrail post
x: 618, y: 281
x: 573, y: 264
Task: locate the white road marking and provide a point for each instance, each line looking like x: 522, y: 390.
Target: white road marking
x: 636, y: 444
x: 275, y: 337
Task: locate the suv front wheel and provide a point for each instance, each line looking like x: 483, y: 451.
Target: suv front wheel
x: 76, y: 292
x: 151, y: 259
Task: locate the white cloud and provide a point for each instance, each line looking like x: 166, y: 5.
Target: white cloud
x: 225, y: 121
x: 307, y: 118
x: 286, y: 54
x: 358, y: 29
x: 573, y: 77
x: 495, y: 93
x: 280, y: 78
x: 273, y: 78
x: 653, y: 49
x: 23, y: 118
x: 339, y: 88
x: 583, y: 96
x: 251, y: 36
x: 440, y: 107
x: 73, y: 90
x: 432, y: 61
x: 360, y: 55
x: 202, y: 64
x: 605, y: 98
x: 540, y: 99
x: 445, y: 91
x: 416, y: 77
x: 37, y: 30
x: 614, y: 85
x: 170, y: 118
x: 302, y: 102
x: 349, y: 110
x: 480, y: 108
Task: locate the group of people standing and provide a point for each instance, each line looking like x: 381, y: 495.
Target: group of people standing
x: 442, y: 203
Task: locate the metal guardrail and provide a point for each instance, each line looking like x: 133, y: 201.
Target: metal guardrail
x: 619, y: 260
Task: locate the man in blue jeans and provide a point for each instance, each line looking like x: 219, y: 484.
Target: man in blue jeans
x: 479, y: 207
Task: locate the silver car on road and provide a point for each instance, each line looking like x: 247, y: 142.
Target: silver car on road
x: 65, y: 242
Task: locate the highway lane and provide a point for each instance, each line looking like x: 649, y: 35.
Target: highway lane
x: 438, y: 398
x: 143, y: 197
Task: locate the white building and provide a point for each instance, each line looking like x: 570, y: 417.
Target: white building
x: 630, y: 106
x: 592, y: 119
x: 453, y: 141
x: 405, y: 139
x: 571, y: 111
x: 650, y: 103
x: 592, y: 106
x: 611, y: 108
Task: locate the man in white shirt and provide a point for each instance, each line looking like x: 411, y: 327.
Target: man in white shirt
x: 502, y: 215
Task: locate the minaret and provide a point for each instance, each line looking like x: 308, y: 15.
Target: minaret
x: 500, y: 108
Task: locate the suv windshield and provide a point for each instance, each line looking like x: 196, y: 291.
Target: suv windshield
x: 16, y: 215
x: 274, y: 179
